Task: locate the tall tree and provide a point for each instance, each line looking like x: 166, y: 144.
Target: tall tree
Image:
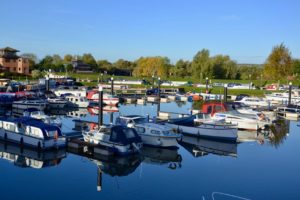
x: 296, y: 66
x: 68, y: 59
x: 201, y: 64
x: 32, y: 58
x: 148, y: 66
x: 279, y: 63
x: 89, y: 59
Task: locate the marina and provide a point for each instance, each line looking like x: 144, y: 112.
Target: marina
x: 150, y: 100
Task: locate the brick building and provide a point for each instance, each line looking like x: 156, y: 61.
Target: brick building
x: 10, y: 61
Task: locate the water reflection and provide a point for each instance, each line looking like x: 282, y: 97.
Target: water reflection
x: 160, y: 156
x: 26, y: 157
x: 279, y: 131
x: 115, y: 166
x: 201, y: 147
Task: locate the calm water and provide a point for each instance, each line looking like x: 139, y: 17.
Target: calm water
x: 199, y: 169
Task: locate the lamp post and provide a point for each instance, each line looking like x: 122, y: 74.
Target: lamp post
x: 112, y: 85
x: 158, y: 96
x: 206, y: 82
x: 100, y: 102
x: 290, y: 93
x: 152, y: 81
x: 47, y: 83
x: 261, y: 86
x: 101, y: 77
x: 225, y: 93
x: 250, y: 81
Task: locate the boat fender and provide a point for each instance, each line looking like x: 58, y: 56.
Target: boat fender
x: 55, y: 135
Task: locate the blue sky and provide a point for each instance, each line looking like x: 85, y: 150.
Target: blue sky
x: 246, y: 30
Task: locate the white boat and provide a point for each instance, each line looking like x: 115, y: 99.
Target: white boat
x: 77, y: 101
x: 283, y: 97
x: 56, y: 103
x: 254, y: 102
x: 81, y: 92
x: 31, y: 132
x: 208, y: 129
x: 107, y: 98
x: 152, y: 134
x: 119, y: 139
x: 244, y: 121
x: 25, y: 104
x: 40, y: 115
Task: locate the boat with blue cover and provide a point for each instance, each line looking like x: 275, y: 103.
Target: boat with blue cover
x: 119, y: 139
x: 28, y: 131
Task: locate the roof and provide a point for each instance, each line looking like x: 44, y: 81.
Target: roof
x: 9, y: 49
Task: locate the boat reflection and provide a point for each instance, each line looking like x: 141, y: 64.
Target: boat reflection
x: 78, y: 113
x: 26, y: 157
x: 200, y: 147
x: 106, y: 109
x: 161, y: 156
x: 115, y: 166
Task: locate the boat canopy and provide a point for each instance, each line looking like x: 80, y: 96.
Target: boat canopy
x: 124, y: 135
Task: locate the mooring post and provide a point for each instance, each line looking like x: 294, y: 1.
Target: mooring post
x: 111, y: 117
x: 158, y: 96
x: 225, y: 93
x: 112, y: 85
x: 290, y: 93
x: 100, y: 105
x: 99, y: 180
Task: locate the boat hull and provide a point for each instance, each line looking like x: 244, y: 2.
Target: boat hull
x: 22, y: 106
x: 208, y: 131
x: 32, y: 141
x: 159, y: 141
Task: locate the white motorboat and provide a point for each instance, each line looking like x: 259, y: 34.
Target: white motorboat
x: 31, y: 132
x: 152, y: 134
x: 244, y: 121
x: 119, y: 139
x: 25, y: 104
x: 40, y: 115
x: 283, y: 97
x: 76, y: 101
x: 56, y: 103
x: 254, y: 102
x: 79, y: 91
x: 208, y: 129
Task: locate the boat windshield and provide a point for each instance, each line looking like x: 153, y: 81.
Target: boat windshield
x: 140, y: 120
x: 129, y: 133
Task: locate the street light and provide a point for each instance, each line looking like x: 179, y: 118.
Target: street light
x: 206, y: 82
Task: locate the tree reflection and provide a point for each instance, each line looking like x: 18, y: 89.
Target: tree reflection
x: 279, y: 132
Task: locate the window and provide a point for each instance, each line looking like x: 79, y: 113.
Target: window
x: 209, y: 109
x: 155, y: 132
x: 218, y: 108
x: 19, y: 68
x: 140, y: 129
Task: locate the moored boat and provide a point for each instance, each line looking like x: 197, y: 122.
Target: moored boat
x: 121, y: 140
x: 152, y: 134
x: 207, y: 129
x: 31, y: 132
x: 25, y: 104
x: 107, y: 98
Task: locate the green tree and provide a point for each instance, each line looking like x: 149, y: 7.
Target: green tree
x: 279, y: 63
x: 68, y: 59
x: 89, y: 59
x: 148, y: 66
x: 104, y: 66
x: 36, y: 73
x: 181, y: 68
x: 296, y: 66
x: 201, y: 65
x: 32, y: 58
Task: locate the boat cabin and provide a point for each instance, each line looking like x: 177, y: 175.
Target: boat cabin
x: 217, y: 107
